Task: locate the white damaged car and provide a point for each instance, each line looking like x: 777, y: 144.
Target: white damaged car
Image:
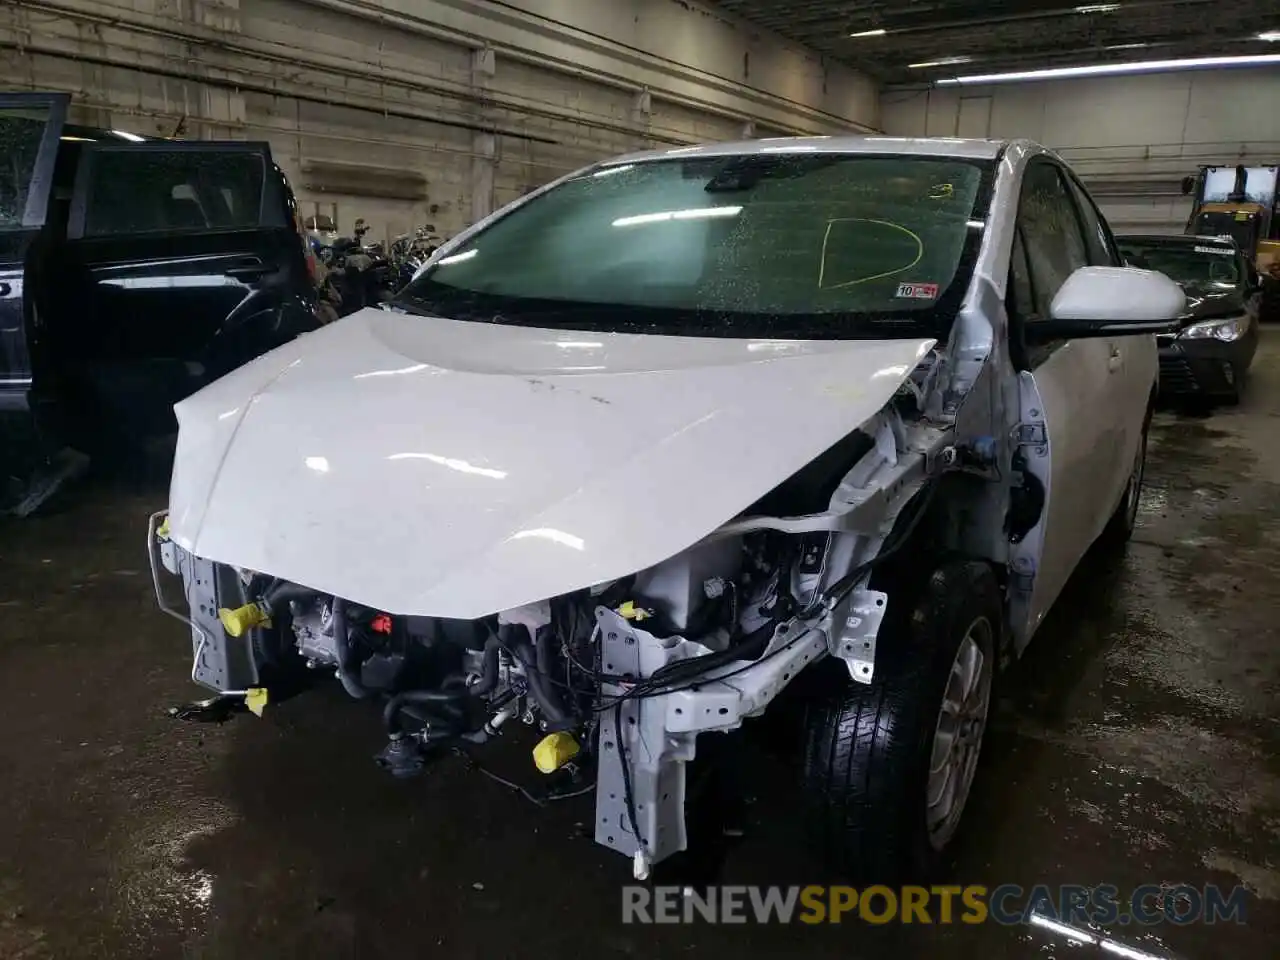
x: 636, y: 452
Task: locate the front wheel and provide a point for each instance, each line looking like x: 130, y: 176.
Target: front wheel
x: 1120, y: 527
x: 888, y: 766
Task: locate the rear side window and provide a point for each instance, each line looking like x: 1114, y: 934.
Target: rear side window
x: 165, y: 191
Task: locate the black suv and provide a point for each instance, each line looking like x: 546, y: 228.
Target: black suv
x: 133, y: 272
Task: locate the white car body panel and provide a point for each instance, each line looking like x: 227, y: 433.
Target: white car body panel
x: 1076, y: 404
x: 455, y: 469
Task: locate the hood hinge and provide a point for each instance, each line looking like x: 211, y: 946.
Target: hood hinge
x: 1032, y: 434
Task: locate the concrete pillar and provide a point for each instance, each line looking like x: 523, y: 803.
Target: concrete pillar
x: 484, y: 145
x: 642, y: 112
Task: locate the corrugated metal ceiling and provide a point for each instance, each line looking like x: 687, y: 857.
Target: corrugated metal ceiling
x: 1013, y: 34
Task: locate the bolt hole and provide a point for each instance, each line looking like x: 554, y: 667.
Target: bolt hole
x: 679, y: 711
x: 640, y: 808
x: 879, y: 603
x: 613, y: 796
x: 665, y: 796
x: 631, y: 720
x: 724, y: 711
x: 608, y: 666
x: 611, y: 839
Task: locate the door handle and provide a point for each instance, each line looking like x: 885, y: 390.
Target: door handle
x: 1115, y: 361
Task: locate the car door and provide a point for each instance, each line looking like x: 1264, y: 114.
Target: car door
x: 1069, y: 441
x: 184, y: 260
x: 30, y: 125
x: 1132, y: 362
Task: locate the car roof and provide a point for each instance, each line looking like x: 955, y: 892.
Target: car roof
x: 1175, y: 239
x: 72, y: 131
x: 871, y: 144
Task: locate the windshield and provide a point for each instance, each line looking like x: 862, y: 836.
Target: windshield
x: 1241, y: 227
x: 1200, y: 265
x: 808, y: 246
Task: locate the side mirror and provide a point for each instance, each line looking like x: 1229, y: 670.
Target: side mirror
x: 1111, y: 302
x: 1188, y: 186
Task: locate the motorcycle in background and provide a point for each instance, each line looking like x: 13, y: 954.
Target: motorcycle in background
x: 358, y: 274
x: 410, y: 251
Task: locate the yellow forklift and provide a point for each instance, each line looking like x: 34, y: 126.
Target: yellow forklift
x: 1242, y: 203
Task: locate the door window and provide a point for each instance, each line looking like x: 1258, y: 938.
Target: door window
x: 1097, y: 236
x: 153, y: 191
x: 1051, y: 232
x: 21, y: 133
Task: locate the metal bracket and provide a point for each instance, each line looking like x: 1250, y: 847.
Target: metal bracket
x: 1030, y: 434
x: 855, y: 641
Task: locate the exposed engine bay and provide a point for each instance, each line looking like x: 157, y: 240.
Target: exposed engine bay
x: 620, y: 677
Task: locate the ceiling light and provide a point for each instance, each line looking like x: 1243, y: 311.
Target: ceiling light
x: 1127, y: 46
x: 1098, y: 8
x: 868, y: 33
x: 944, y: 62
x: 131, y: 137
x: 668, y: 215
x: 1114, y: 69
x: 1272, y: 35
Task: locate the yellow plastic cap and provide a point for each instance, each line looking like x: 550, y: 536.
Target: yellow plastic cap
x: 629, y: 611
x: 255, y: 698
x: 242, y: 619
x: 554, y: 751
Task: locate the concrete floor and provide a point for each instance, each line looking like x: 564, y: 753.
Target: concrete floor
x: 1136, y: 743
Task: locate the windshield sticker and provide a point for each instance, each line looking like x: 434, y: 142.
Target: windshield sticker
x: 1221, y: 251
x: 918, y: 291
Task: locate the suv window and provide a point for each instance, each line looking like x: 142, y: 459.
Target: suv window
x: 1051, y: 233
x: 21, y: 132
x: 155, y: 190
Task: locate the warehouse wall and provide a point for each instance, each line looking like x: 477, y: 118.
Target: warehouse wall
x: 1132, y: 139
x: 411, y: 111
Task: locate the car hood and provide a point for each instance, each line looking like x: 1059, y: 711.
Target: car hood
x: 453, y: 469
x: 1206, y: 303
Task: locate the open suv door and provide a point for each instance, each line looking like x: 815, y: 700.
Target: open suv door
x: 146, y: 269
x: 30, y: 125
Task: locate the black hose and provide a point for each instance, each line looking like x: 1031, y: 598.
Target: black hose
x: 445, y: 700
x: 282, y: 591
x: 489, y: 669
x: 750, y: 647
x: 342, y: 650
x: 537, y: 673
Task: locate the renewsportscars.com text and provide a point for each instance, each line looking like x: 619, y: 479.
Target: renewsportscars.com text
x: 1008, y: 904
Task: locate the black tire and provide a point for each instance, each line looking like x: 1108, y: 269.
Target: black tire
x: 868, y: 748
x: 1119, y: 529
x: 1233, y: 398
